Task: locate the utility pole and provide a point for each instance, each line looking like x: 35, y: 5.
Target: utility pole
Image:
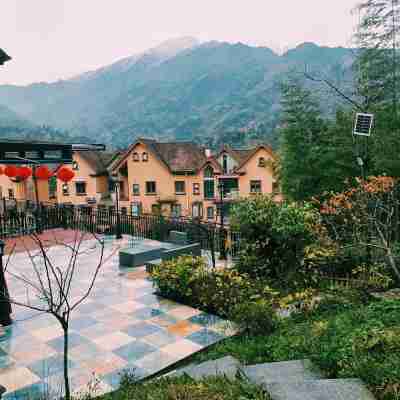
x: 115, y: 187
x: 222, y: 253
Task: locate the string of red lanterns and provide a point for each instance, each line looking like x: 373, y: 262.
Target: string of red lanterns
x: 64, y: 174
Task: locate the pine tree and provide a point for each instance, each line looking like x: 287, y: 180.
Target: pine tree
x: 302, y: 137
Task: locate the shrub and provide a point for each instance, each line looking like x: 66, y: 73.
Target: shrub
x: 254, y: 317
x: 190, y: 281
x: 275, y: 237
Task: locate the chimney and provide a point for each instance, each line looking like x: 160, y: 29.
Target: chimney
x: 207, y: 152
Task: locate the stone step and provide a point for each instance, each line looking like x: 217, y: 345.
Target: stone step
x: 286, y: 371
x: 226, y: 366
x: 324, y: 389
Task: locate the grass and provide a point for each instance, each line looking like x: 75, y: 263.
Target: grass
x: 184, y: 388
x: 344, y: 341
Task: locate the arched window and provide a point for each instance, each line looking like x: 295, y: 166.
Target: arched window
x: 209, y: 172
x: 225, y: 163
x: 261, y: 162
x: 209, y: 185
x: 135, y: 156
x: 145, y: 156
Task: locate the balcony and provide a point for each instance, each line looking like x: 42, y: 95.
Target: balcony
x: 165, y: 198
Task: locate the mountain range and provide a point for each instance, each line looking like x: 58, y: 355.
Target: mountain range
x: 183, y: 89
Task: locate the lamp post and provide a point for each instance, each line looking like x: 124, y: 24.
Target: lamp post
x: 221, y: 189
x: 35, y: 187
x: 5, y: 305
x: 114, y: 181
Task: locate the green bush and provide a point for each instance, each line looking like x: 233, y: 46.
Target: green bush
x: 255, y: 317
x: 189, y: 281
x: 275, y: 237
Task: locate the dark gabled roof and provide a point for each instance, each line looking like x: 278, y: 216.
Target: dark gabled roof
x: 176, y: 156
x: 98, y: 160
x: 4, y: 57
x: 179, y: 156
x: 248, y: 154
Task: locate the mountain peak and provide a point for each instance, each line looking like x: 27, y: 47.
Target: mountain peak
x: 174, y: 46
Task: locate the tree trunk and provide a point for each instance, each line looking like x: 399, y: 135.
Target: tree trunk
x: 66, y: 375
x: 389, y: 254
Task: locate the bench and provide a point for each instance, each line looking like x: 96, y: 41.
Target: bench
x: 167, y: 255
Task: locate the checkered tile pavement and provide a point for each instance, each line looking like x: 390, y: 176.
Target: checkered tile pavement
x: 123, y: 326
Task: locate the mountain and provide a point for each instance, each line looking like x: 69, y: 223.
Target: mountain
x: 179, y: 90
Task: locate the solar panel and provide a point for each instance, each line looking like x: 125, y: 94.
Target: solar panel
x: 363, y: 124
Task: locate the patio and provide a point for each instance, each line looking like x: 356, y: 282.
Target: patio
x: 122, y: 326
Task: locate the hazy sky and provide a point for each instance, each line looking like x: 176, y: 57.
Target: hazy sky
x: 54, y: 39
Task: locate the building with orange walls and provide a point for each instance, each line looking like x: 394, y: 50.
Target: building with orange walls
x: 182, y: 178
x: 90, y: 183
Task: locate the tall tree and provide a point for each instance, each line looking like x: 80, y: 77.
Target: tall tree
x: 302, y: 137
x: 377, y: 63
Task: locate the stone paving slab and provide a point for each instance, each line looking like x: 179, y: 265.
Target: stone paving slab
x: 286, y: 371
x: 227, y: 366
x: 122, y: 326
x: 325, y: 389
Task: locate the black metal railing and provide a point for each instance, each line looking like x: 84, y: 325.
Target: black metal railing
x: 104, y: 220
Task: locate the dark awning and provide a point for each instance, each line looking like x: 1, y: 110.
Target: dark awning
x: 18, y: 151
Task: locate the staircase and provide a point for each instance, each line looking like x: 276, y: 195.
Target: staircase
x: 288, y: 380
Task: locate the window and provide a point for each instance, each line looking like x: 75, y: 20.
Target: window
x: 209, y: 172
x: 196, y: 189
x: 180, y: 187
x: 176, y: 210
x: 225, y: 163
x: 145, y: 157
x: 155, y: 209
x: 65, y: 189
x: 135, y: 157
x: 209, y: 185
x: 136, y: 189
x: 275, y: 187
x: 197, y: 210
x: 261, y: 162
x: 255, y: 187
x: 136, y: 209
x: 10, y: 193
x: 75, y: 166
x: 124, y: 210
x: 209, y: 189
x: 80, y: 188
x: 210, y: 212
x: 151, y: 187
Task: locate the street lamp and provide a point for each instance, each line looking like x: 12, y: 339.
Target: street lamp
x: 221, y: 189
x: 35, y: 187
x: 5, y: 305
x: 114, y: 185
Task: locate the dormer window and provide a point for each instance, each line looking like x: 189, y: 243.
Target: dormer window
x: 136, y: 157
x: 225, y: 163
x: 261, y: 162
x: 145, y: 157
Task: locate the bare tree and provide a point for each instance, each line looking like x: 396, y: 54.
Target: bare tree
x: 52, y: 285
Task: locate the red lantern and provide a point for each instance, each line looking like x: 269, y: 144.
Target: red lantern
x: 11, y: 171
x: 64, y: 174
x: 43, y: 173
x: 24, y: 173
